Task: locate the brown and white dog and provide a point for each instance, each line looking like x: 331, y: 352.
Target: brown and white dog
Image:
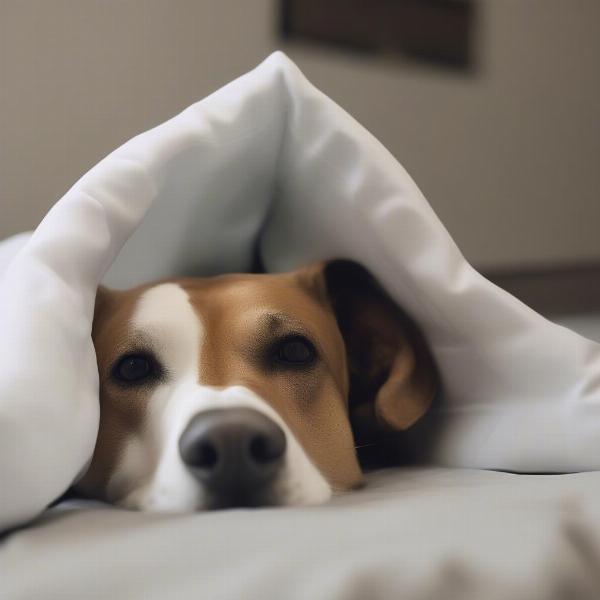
x: 247, y: 390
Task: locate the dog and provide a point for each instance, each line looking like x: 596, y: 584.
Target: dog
x: 249, y: 390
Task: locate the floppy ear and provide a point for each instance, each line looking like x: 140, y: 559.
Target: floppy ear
x: 393, y: 377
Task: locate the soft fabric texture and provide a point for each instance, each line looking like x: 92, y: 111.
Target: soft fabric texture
x: 417, y: 534
x: 270, y: 162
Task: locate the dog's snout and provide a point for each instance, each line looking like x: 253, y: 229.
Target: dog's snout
x: 232, y: 451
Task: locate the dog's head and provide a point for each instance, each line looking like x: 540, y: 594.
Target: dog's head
x: 241, y: 389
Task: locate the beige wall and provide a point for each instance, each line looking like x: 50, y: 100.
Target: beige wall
x: 508, y: 156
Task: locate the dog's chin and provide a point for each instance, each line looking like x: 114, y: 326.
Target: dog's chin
x: 210, y: 504
x: 166, y: 501
x: 243, y: 500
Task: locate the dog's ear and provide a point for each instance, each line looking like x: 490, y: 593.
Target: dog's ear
x: 393, y: 377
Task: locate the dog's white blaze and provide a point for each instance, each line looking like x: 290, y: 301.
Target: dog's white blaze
x: 164, y: 317
x: 151, y: 474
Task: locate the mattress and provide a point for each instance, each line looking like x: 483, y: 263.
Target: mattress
x: 413, y: 533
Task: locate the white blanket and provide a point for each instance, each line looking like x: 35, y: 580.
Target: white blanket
x: 268, y: 160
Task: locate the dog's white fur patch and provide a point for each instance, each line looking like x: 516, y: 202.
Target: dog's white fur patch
x: 151, y: 474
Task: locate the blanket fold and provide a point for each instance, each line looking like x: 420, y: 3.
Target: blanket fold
x: 270, y: 161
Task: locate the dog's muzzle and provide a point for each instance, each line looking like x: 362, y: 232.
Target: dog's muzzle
x: 234, y: 453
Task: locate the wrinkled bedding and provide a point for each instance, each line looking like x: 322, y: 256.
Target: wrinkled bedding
x: 414, y: 534
x: 269, y: 163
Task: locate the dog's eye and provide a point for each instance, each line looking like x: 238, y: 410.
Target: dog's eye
x: 133, y: 368
x: 295, y: 350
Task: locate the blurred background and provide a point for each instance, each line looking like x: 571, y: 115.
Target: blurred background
x: 493, y: 107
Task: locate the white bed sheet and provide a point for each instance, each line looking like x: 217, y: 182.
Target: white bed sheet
x: 414, y: 534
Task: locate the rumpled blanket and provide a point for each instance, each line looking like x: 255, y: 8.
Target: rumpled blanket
x: 270, y: 163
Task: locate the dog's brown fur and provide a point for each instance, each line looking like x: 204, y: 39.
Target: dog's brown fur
x: 374, y: 367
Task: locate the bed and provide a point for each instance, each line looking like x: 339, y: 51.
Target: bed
x: 269, y: 164
x: 412, y: 533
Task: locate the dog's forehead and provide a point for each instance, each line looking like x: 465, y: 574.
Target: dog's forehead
x: 249, y: 289
x: 222, y: 303
x: 253, y: 298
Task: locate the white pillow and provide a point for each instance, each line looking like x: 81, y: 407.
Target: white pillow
x: 269, y: 158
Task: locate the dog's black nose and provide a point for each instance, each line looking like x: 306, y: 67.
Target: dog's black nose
x: 232, y: 451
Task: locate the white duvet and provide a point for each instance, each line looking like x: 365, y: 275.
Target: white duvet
x: 269, y: 161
